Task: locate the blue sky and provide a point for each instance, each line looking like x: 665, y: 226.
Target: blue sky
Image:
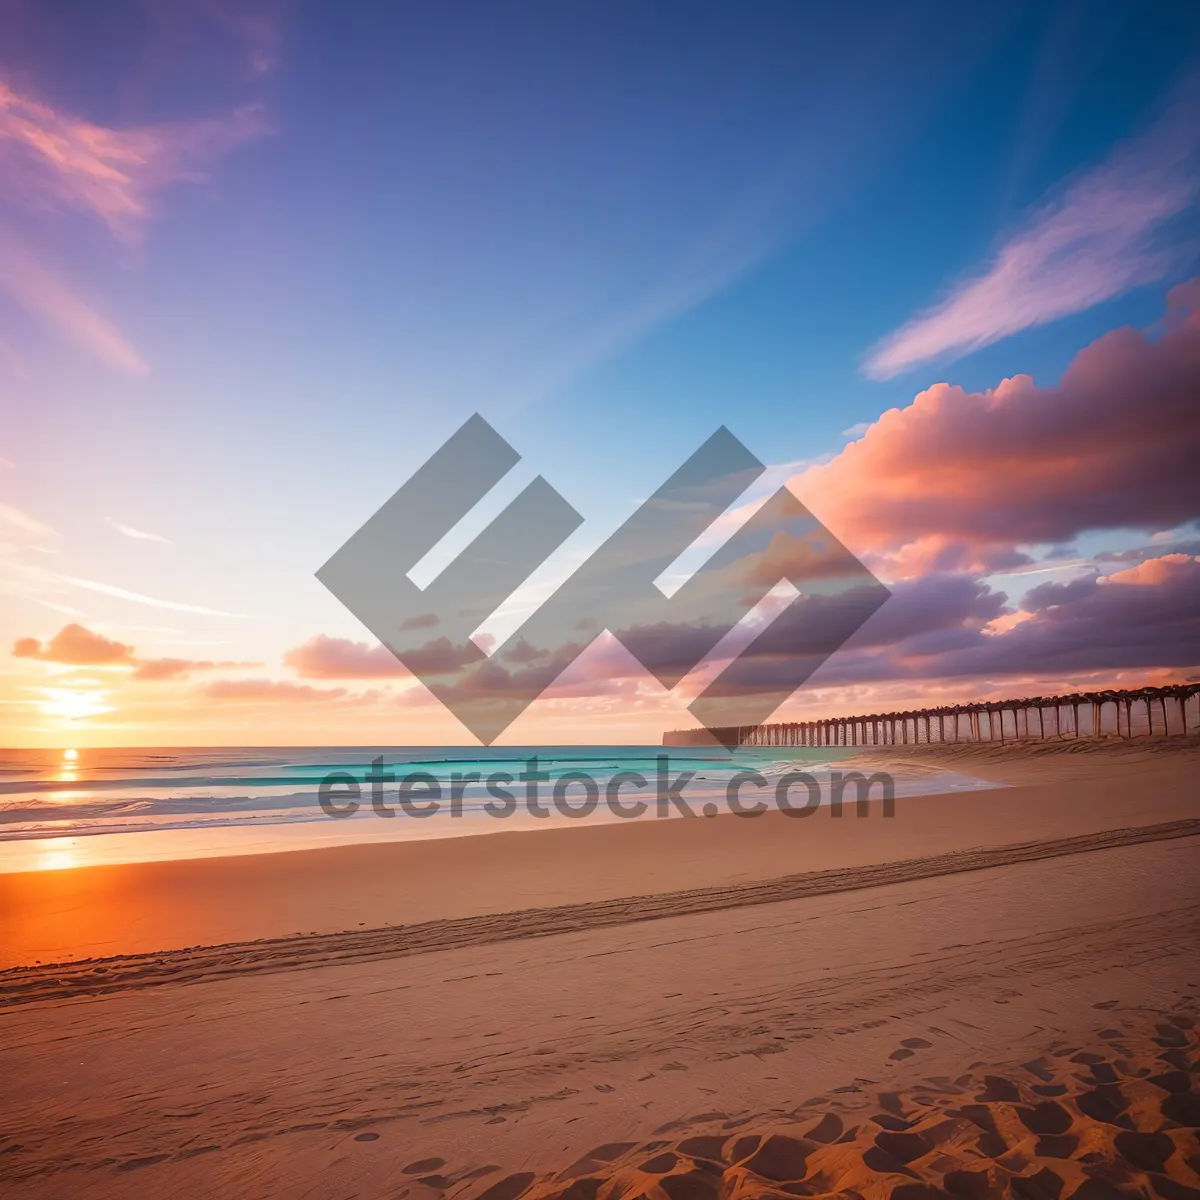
x: 608, y: 228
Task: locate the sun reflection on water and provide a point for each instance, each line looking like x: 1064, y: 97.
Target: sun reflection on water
x: 67, y: 773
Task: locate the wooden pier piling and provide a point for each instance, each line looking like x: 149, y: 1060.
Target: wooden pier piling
x: 890, y: 729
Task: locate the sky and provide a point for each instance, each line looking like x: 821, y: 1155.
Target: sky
x: 935, y: 265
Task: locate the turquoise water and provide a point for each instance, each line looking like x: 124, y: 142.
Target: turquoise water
x: 91, y: 806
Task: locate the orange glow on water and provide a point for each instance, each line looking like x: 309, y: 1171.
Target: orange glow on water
x: 67, y: 773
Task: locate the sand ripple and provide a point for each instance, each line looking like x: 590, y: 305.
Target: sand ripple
x: 1116, y: 1121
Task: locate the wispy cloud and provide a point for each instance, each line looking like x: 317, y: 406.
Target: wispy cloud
x: 256, y: 26
x: 40, y: 292
x: 52, y: 162
x: 23, y: 523
x: 20, y: 532
x: 55, y: 159
x: 107, y: 589
x: 138, y: 534
x: 65, y: 609
x: 1097, y: 239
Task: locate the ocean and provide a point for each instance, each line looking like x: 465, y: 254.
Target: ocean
x: 67, y: 808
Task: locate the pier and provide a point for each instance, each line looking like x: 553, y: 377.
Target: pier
x: 1123, y: 714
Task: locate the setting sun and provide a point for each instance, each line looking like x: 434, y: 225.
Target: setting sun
x: 445, y: 447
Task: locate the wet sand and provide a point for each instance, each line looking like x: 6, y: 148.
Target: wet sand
x: 800, y: 1042
x: 1060, y: 792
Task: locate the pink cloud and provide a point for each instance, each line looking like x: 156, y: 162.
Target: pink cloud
x: 1152, y: 572
x: 947, y: 626
x: 1144, y: 618
x: 957, y: 479
x: 1096, y: 241
x: 55, y: 159
x: 74, y: 645
x: 54, y: 162
x: 954, y: 486
x: 606, y: 669
x: 270, y: 690
x: 948, y: 637
x: 323, y: 657
x: 1129, y: 627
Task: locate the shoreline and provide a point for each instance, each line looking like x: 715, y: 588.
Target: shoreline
x: 986, y: 995
x: 98, y: 912
x: 220, y: 834
x: 66, y: 981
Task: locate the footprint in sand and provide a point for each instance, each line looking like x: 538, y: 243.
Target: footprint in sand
x: 1009, y: 1141
x: 908, y: 1046
x: 423, y: 1166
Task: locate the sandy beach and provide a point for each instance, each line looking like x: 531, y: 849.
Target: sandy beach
x: 988, y: 994
x: 599, y: 601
